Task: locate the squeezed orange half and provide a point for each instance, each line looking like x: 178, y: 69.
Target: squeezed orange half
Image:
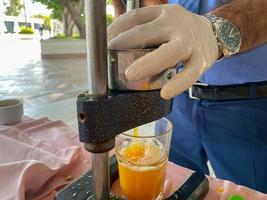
x: 142, y: 169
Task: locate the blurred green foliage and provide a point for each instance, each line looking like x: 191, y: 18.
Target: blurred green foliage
x: 109, y: 19
x: 26, y: 30
x: 13, y: 8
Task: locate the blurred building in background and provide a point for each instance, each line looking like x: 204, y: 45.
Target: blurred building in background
x: 12, y: 24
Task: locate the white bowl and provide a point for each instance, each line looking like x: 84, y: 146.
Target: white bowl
x: 11, y: 111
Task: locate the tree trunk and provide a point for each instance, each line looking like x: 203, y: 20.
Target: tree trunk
x: 70, y: 29
x: 76, y: 15
x: 68, y: 23
x: 65, y: 23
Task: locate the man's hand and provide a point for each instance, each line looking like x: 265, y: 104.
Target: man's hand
x: 183, y: 37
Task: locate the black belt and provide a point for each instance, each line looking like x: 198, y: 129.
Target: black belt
x: 229, y: 92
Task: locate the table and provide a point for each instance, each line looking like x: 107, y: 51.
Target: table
x: 58, y: 135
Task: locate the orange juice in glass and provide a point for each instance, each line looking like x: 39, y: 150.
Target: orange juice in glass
x: 142, y: 155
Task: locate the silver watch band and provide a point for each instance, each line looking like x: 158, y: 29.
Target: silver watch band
x: 214, y: 18
x: 215, y: 21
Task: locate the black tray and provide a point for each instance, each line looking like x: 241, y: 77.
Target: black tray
x: 195, y: 187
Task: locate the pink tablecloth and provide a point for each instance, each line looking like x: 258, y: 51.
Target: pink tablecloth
x: 37, y: 157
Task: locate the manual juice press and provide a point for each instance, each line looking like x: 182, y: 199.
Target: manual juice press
x: 111, y: 105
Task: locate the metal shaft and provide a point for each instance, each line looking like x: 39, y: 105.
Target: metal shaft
x: 132, y: 4
x: 137, y: 4
x: 101, y: 175
x: 96, y: 39
x: 96, y: 33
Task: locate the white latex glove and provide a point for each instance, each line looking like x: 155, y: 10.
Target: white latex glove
x: 184, y: 38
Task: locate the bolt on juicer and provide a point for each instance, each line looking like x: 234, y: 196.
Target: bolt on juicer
x: 111, y: 105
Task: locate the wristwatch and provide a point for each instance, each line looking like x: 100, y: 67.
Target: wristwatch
x: 227, y: 35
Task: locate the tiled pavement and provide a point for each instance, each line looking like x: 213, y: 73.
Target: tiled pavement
x: 38, y: 81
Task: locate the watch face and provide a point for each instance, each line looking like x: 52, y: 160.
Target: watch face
x: 229, y: 36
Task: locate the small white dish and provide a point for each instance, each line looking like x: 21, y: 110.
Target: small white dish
x: 11, y: 111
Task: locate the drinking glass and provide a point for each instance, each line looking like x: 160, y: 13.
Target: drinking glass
x: 142, y: 155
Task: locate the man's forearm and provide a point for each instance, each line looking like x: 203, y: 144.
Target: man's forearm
x: 250, y: 16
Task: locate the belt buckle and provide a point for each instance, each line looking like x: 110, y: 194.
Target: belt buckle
x: 190, y: 90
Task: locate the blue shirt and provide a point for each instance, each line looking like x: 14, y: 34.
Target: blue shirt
x: 250, y: 66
